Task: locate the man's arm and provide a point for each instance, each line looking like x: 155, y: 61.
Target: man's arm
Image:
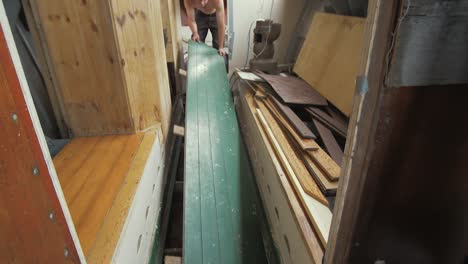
x: 221, y: 26
x: 191, y: 20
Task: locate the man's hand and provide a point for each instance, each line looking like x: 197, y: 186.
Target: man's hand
x: 195, y: 37
x: 222, y: 52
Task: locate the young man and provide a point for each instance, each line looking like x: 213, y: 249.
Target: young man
x: 204, y: 15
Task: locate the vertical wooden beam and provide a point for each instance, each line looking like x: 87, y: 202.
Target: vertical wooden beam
x: 34, y: 221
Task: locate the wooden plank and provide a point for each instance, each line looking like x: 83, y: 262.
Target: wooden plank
x: 327, y: 186
x: 330, y: 142
x: 327, y: 164
x: 290, y: 226
x: 293, y: 90
x: 287, y: 154
x: 327, y: 120
x: 105, y: 166
x: 139, y: 37
x: 430, y: 42
x: 316, y: 211
x: 305, y: 144
x: 329, y: 57
x: 34, y: 216
x: 112, y: 226
x: 377, y: 41
x: 293, y: 119
x: 219, y: 211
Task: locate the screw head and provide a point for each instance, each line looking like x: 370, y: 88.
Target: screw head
x: 51, y: 215
x: 35, y: 171
x: 66, y: 252
x: 14, y: 117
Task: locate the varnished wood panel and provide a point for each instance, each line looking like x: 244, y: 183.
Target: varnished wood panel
x: 33, y: 226
x: 91, y: 171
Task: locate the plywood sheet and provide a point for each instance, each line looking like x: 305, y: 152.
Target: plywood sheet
x: 330, y: 142
x: 293, y: 90
x: 330, y: 57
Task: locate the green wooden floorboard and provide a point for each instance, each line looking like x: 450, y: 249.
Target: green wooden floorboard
x: 221, y: 223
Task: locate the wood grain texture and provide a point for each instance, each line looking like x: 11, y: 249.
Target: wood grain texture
x: 327, y: 186
x: 329, y: 141
x: 328, y: 121
x: 26, y: 200
x: 317, y: 213
x: 140, y: 46
x: 106, y: 63
x: 329, y: 57
x: 293, y: 90
x: 305, y: 144
x: 85, y: 168
x: 293, y: 119
x: 277, y: 193
x: 377, y: 38
x: 430, y: 44
x: 289, y: 157
x: 328, y: 165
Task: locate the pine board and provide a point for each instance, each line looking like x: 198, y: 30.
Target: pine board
x: 330, y: 57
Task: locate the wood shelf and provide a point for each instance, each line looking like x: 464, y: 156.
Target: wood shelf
x: 100, y: 177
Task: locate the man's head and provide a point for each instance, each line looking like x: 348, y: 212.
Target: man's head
x: 198, y: 3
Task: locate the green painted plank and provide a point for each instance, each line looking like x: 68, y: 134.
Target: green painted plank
x: 229, y: 226
x: 192, y: 216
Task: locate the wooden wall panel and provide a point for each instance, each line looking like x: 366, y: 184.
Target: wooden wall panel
x: 109, y: 62
x: 140, y: 44
x: 83, y: 52
x: 33, y: 226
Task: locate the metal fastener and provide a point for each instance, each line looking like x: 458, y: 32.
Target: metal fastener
x: 14, y: 117
x: 66, y: 252
x: 35, y: 171
x: 51, y: 215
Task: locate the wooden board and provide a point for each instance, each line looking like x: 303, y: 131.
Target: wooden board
x: 293, y: 90
x: 85, y: 167
x: 327, y: 120
x: 35, y: 224
x: 305, y: 144
x: 289, y: 158
x: 293, y: 119
x: 219, y: 205
x: 291, y: 230
x: 430, y: 44
x: 140, y: 47
x: 105, y: 63
x: 327, y: 186
x: 330, y: 57
x: 112, y: 226
x: 329, y: 141
x: 327, y: 164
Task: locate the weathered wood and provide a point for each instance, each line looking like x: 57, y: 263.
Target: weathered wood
x: 330, y: 142
x: 305, y: 144
x: 430, y: 44
x: 328, y: 121
x: 291, y: 230
x: 377, y: 38
x: 289, y: 157
x: 293, y: 119
x: 293, y: 90
x: 329, y: 57
x: 34, y: 221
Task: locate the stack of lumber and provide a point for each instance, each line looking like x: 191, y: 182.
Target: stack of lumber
x: 310, y: 132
